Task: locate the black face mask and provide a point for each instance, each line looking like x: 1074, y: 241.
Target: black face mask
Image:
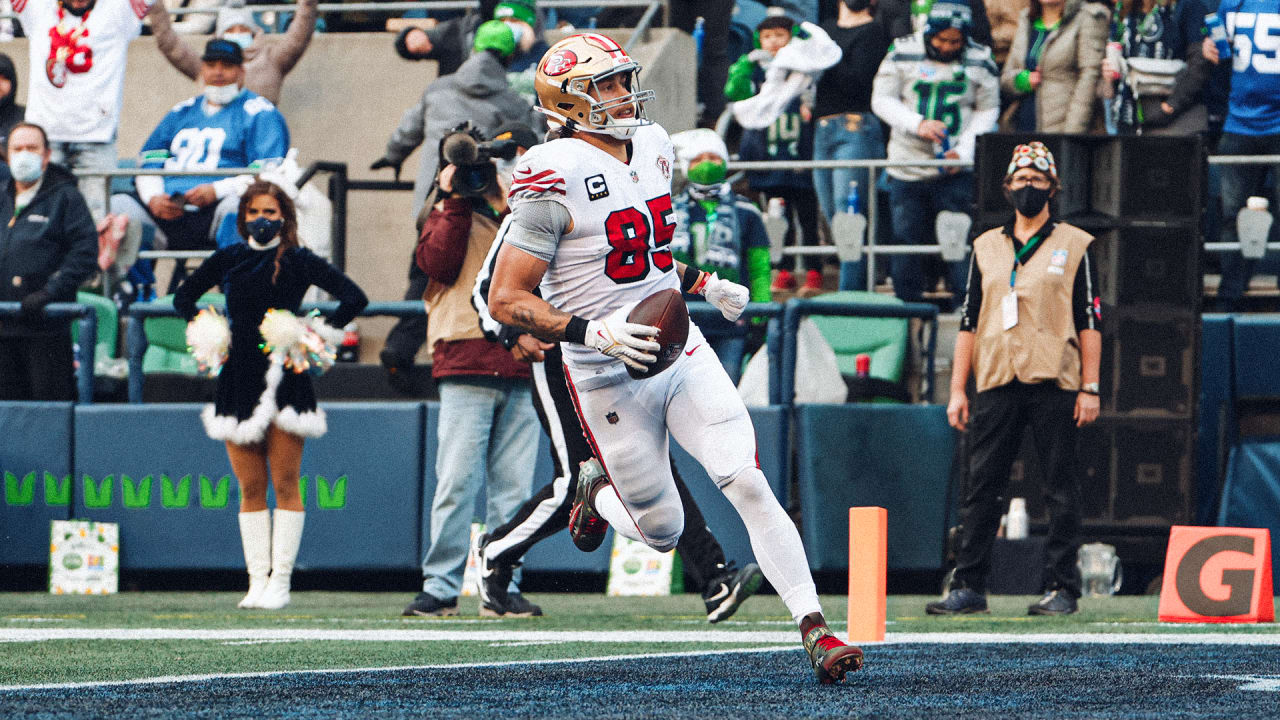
x: 263, y: 230
x: 1030, y: 200
x: 857, y: 5
x: 937, y: 55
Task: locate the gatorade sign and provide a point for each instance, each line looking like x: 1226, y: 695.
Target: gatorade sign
x: 1214, y: 574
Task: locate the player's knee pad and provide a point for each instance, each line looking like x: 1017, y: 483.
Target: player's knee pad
x: 662, y: 525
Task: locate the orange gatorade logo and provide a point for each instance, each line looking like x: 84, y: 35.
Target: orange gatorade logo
x: 1214, y: 574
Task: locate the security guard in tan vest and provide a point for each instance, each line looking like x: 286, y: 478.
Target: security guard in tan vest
x: 1029, y: 331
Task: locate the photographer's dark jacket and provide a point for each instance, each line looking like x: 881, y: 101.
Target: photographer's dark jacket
x: 452, y: 249
x: 51, y: 246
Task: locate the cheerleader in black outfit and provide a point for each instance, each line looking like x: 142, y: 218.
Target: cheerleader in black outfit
x: 262, y: 411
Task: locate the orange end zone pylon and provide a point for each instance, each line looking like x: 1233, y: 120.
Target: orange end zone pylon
x: 868, y: 564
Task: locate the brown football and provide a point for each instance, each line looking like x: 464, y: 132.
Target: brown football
x: 666, y: 311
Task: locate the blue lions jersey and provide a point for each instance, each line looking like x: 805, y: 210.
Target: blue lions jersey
x: 1254, y: 29
x: 245, y: 133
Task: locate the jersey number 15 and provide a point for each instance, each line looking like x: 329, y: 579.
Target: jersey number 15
x: 628, y: 231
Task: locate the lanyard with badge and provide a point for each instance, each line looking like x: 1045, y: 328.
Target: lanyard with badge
x: 1009, y: 306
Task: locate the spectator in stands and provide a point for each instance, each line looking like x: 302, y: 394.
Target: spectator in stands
x: 448, y: 43
x: 226, y: 126
x: 954, y: 81
x: 846, y: 129
x: 266, y: 60
x: 1032, y: 339
x: 261, y: 410
x: 1252, y: 128
x: 11, y: 113
x: 46, y: 250
x: 479, y: 91
x: 721, y: 232
x: 772, y: 91
x: 75, y: 82
x: 1158, y: 88
x: 1053, y: 67
x: 1003, y: 15
x: 905, y: 17
x: 487, y: 422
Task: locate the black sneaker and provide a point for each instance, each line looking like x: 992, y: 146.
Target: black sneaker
x: 518, y: 606
x: 426, y: 604
x: 726, y: 593
x: 960, y: 601
x: 586, y: 527
x: 1054, y: 602
x: 493, y: 582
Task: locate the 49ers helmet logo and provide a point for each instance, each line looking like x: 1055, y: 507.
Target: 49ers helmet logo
x: 560, y: 63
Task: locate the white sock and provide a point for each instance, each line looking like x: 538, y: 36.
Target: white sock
x: 609, y: 506
x: 775, y: 542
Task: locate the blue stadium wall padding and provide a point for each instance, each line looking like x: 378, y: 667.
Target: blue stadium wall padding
x: 556, y: 553
x: 1251, y: 496
x: 895, y: 457
x: 1257, y: 364
x: 35, y: 463
x: 719, y: 513
x: 152, y: 469
x: 1217, y: 368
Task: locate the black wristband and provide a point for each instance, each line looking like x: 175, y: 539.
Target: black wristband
x: 576, y: 330
x: 689, y: 279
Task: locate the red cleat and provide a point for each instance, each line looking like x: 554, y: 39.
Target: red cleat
x: 831, y: 659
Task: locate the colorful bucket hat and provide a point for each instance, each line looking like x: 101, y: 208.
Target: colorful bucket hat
x: 1034, y: 155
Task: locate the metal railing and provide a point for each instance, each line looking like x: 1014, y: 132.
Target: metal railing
x: 86, y: 342
x: 871, y: 249
x: 136, y: 335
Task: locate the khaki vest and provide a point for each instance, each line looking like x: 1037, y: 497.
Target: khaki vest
x: 450, y: 314
x: 1044, y: 345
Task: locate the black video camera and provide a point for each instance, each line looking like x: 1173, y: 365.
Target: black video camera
x: 466, y: 149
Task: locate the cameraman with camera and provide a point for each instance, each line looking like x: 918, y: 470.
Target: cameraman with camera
x: 487, y: 419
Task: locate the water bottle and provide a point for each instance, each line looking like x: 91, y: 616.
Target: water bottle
x: 1115, y: 57
x: 699, y: 32
x: 945, y: 146
x: 853, y: 204
x: 1018, y: 520
x: 349, y: 350
x: 862, y: 365
x: 1218, y: 33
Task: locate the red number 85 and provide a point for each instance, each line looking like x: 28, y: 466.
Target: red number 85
x: 628, y: 233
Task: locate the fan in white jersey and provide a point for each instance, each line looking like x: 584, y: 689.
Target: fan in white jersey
x: 591, y: 220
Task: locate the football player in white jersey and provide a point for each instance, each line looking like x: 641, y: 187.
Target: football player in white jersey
x: 591, y: 220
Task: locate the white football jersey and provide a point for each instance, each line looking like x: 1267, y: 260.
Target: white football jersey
x: 617, y: 252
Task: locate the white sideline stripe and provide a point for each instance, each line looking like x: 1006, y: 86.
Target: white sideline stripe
x: 45, y: 634
x: 401, y: 668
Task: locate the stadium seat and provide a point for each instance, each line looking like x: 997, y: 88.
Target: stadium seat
x: 884, y: 339
x: 108, y: 325
x: 167, y: 341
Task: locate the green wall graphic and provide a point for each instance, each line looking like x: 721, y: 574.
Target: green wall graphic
x: 137, y: 494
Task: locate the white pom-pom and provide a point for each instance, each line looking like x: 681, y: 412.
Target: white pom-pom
x: 299, y: 343
x: 208, y: 337
x: 280, y: 330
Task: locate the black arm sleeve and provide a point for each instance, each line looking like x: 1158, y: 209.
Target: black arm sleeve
x: 972, y: 297
x: 210, y: 273
x: 351, y: 299
x: 1084, y: 294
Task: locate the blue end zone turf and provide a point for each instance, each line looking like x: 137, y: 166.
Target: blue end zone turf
x: 909, y: 680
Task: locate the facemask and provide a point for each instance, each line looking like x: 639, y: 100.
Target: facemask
x: 705, y: 178
x: 517, y: 32
x: 243, y: 39
x: 26, y: 166
x: 221, y: 94
x: 1029, y: 200
x: 263, y: 231
x: 857, y: 5
x: 937, y: 55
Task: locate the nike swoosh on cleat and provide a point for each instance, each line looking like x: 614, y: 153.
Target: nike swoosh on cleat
x: 724, y: 593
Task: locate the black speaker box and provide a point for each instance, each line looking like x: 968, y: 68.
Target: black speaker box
x: 1153, y: 178
x: 1155, y: 264
x: 1152, y: 358
x: 1152, y: 463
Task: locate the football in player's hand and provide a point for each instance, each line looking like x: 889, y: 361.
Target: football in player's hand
x: 666, y: 311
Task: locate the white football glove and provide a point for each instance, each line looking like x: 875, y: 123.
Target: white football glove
x: 627, y: 341
x: 728, y: 296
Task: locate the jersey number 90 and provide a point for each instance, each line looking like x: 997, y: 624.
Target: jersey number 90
x: 628, y: 231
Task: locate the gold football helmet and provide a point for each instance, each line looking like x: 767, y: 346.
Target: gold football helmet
x: 565, y: 81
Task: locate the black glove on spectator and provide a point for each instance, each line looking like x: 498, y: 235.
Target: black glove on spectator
x: 384, y: 162
x: 33, y: 304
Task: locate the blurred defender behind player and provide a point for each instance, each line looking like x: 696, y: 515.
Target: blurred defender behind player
x: 591, y: 221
